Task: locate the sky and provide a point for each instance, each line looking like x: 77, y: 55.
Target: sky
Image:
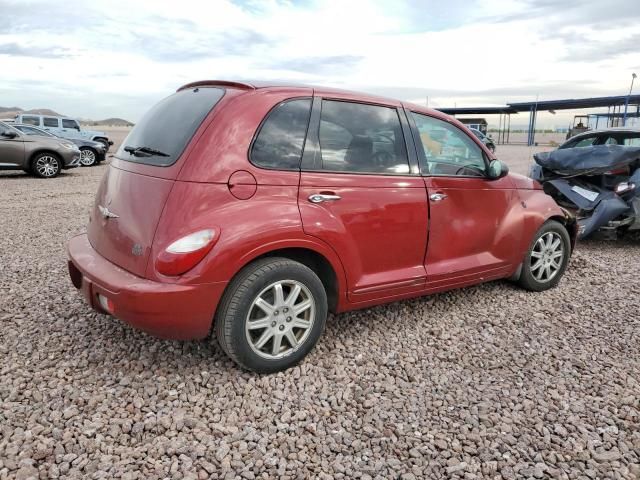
x: 116, y: 58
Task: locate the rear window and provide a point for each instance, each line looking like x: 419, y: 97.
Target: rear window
x: 168, y: 127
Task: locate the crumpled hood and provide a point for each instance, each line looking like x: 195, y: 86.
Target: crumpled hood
x: 587, y: 160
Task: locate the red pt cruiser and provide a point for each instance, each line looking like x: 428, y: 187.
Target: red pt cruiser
x: 255, y: 210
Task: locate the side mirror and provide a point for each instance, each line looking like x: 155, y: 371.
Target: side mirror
x: 497, y: 170
x: 9, y: 134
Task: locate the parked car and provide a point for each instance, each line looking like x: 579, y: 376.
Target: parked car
x: 268, y: 206
x: 599, y: 183
x: 63, y: 127
x: 41, y: 156
x: 91, y: 153
x: 627, y: 137
x: 486, y: 139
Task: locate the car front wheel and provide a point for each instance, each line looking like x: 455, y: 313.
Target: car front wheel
x: 547, y: 258
x: 271, y: 315
x: 87, y: 157
x: 46, y: 165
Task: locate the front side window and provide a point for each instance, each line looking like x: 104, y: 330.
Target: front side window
x: 34, y: 131
x: 584, y: 142
x: 447, y: 149
x: 50, y: 122
x: 70, y: 124
x: 31, y: 120
x: 161, y: 136
x: 281, y: 138
x: 359, y: 138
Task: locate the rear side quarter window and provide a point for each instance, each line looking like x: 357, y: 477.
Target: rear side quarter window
x: 280, y: 139
x: 31, y: 120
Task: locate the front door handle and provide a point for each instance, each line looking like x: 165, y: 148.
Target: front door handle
x: 323, y: 197
x: 437, y: 197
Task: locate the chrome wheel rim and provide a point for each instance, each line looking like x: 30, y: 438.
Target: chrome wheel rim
x: 47, y: 165
x: 547, y: 257
x: 87, y: 157
x: 280, y: 319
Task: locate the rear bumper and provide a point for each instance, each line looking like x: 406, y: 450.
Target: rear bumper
x: 165, y: 310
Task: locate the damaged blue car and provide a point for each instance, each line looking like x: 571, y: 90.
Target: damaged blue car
x: 600, y: 184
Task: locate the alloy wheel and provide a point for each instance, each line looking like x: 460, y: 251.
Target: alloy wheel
x: 47, y: 166
x: 280, y: 319
x: 87, y: 157
x: 547, y: 257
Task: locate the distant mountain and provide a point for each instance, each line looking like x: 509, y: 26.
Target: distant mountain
x: 10, y: 112
x: 112, y: 122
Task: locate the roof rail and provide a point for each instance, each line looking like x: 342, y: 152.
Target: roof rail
x: 218, y: 83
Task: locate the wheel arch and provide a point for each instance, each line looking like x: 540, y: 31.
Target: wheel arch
x: 325, y: 264
x: 39, y: 151
x: 570, y: 223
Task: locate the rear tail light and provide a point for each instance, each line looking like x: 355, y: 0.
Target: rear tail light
x: 106, y: 303
x: 186, y: 252
x: 624, y: 187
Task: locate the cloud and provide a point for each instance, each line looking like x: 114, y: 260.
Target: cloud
x: 318, y: 65
x: 14, y: 49
x: 592, y: 51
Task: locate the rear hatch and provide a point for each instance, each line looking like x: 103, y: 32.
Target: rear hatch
x: 130, y: 200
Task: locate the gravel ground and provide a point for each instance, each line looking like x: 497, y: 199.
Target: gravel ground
x: 485, y: 382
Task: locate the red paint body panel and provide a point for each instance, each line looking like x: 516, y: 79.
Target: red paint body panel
x: 165, y: 310
x: 473, y: 230
x: 378, y: 228
x: 384, y: 239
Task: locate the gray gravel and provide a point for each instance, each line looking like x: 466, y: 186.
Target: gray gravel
x: 485, y: 382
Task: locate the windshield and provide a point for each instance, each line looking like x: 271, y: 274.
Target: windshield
x: 34, y: 131
x: 163, y: 133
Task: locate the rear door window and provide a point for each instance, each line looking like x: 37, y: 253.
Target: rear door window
x: 31, y: 120
x: 281, y: 138
x: 361, y: 138
x: 50, y: 122
x: 161, y: 136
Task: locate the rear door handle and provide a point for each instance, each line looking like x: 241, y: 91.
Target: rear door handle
x: 437, y: 197
x: 323, y: 197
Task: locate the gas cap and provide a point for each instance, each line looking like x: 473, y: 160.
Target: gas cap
x: 242, y: 184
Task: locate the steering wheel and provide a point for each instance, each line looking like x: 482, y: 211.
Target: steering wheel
x: 468, y: 167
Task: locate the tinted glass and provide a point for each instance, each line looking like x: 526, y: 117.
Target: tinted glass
x: 281, y: 138
x: 34, y: 131
x: 69, y: 124
x: 361, y: 139
x: 50, y: 122
x: 169, y: 125
x: 31, y: 120
x: 584, y: 142
x: 447, y: 149
x: 632, y: 141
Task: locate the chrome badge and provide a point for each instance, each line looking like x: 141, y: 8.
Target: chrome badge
x: 137, y: 250
x: 104, y: 211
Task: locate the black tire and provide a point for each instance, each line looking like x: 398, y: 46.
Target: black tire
x: 88, y: 154
x: 527, y: 278
x: 40, y: 162
x: 238, y: 302
x: 105, y: 142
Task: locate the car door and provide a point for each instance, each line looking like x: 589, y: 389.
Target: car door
x: 11, y: 148
x: 70, y: 128
x: 474, y: 221
x: 361, y: 192
x: 52, y: 125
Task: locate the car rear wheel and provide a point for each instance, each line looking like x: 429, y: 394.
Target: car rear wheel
x: 547, y: 258
x: 88, y: 157
x: 46, y: 165
x: 271, y: 315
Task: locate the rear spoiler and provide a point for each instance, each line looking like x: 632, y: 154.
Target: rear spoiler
x: 218, y: 83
